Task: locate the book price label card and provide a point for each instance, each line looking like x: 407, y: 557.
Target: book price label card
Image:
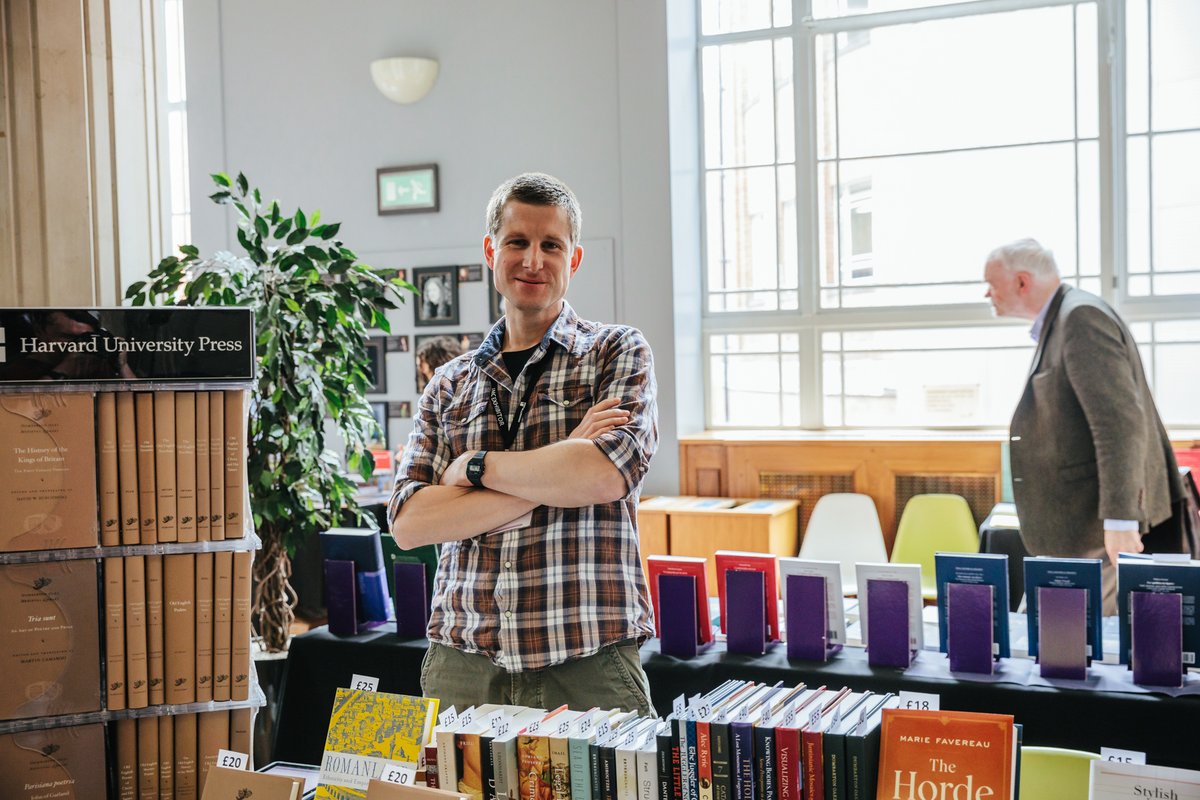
x: 1122, y: 756
x: 466, y: 718
x: 399, y: 774
x: 920, y: 701
x: 496, y: 720
x: 230, y: 759
x: 447, y: 717
x: 364, y: 683
x: 679, y: 706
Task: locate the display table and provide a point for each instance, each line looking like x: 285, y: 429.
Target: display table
x: 1162, y: 727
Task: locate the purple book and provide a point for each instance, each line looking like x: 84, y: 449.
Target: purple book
x: 677, y: 615
x: 1156, y: 631
x: 412, y: 606
x: 807, y: 618
x: 745, y: 603
x: 341, y: 597
x: 1062, y: 632
x: 969, y: 627
x: 887, y: 610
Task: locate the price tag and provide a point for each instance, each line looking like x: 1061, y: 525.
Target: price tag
x: 399, y: 774
x: 1122, y: 756
x: 503, y: 728
x: 232, y: 760
x: 789, y: 719
x: 765, y: 716
x: 364, y: 683
x: 494, y: 720
x: 533, y: 728
x: 448, y: 717
x: 585, y: 725
x: 466, y: 718
x: 679, y: 705
x: 563, y: 728
x: 629, y: 739
x: 920, y: 701
x: 743, y: 714
x: 814, y: 719
x: 602, y: 730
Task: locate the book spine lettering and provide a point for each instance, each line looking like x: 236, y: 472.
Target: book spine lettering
x: 204, y: 627
x: 222, y: 624
x: 126, y: 759
x: 164, y: 461
x: 107, y: 469
x: 185, y: 757
x: 147, y: 500
x: 179, y: 612
x: 155, y: 644
x: 114, y: 633
x: 216, y: 466
x: 137, y: 677
x: 203, y: 500
x: 185, y: 464
x: 239, y: 651
x: 166, y: 758
x: 127, y: 468
x: 235, y: 443
x: 147, y: 739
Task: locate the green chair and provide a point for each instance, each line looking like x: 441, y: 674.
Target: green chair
x: 932, y: 523
x: 1051, y: 773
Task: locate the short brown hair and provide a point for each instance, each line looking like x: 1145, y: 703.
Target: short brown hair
x: 536, y: 189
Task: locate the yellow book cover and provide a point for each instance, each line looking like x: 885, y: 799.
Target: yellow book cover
x: 945, y: 754
x: 366, y: 731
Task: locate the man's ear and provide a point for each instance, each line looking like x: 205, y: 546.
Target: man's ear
x: 489, y: 252
x: 576, y: 258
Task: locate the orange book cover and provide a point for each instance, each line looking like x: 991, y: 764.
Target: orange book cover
x: 945, y: 754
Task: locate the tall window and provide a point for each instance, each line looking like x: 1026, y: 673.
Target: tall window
x: 861, y: 160
x: 173, y: 97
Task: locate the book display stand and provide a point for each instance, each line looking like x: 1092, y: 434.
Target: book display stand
x: 808, y: 619
x: 887, y: 609
x: 123, y: 475
x: 677, y: 616
x: 745, y: 602
x: 1156, y: 638
x: 412, y: 599
x: 969, y: 639
x: 1062, y: 632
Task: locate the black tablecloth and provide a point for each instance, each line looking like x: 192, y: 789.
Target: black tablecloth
x: 1162, y: 727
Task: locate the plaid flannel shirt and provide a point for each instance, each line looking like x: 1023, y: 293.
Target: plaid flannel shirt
x: 571, y: 582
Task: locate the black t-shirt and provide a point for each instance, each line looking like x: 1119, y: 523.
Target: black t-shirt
x: 515, y: 360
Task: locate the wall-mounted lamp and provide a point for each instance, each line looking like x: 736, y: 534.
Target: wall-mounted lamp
x: 404, y: 80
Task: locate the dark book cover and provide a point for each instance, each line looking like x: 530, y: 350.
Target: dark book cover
x: 887, y: 603
x: 862, y: 751
x: 722, y: 759
x: 663, y: 759
x: 745, y: 603
x: 1156, y: 638
x: 690, y: 755
x: 658, y: 566
x: 1064, y: 573
x: 975, y: 569
x: 412, y: 608
x: 764, y: 763
x: 675, y: 615
x: 807, y: 616
x: 833, y: 744
x: 362, y: 547
x: 1144, y: 575
x: 741, y: 741
x: 969, y: 611
x: 1062, y: 630
x: 341, y: 600
x: 765, y: 563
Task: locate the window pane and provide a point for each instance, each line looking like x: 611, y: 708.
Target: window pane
x: 1137, y: 67
x: 1088, y: 262
x: 826, y: 101
x: 746, y: 390
x: 173, y: 39
x: 742, y: 239
x: 1176, y: 203
x: 783, y: 13
x: 785, y: 110
x: 739, y: 104
x: 1175, y: 64
x: 841, y: 8
x: 789, y: 271
x: 935, y: 377
x: 1137, y: 167
x: 898, y: 92
x: 1086, y: 74
x: 729, y: 16
x: 1176, y: 375
x: 932, y: 222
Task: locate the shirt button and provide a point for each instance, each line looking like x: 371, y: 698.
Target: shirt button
x: 508, y: 615
x: 508, y: 565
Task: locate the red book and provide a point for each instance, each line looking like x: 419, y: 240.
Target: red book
x: 757, y: 562
x: 683, y: 565
x: 703, y: 757
x: 787, y: 762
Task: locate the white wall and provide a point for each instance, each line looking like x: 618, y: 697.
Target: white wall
x: 281, y: 90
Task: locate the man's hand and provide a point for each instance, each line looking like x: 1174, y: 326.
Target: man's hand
x: 600, y: 419
x: 456, y: 473
x: 1117, y: 542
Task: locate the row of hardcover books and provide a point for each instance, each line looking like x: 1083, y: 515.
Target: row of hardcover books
x: 177, y: 629
x: 121, y: 468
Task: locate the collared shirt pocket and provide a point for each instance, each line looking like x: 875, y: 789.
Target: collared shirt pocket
x: 560, y: 411
x: 465, y: 426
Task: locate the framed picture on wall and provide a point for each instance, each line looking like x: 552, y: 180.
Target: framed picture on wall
x: 379, y: 411
x: 407, y: 190
x: 377, y: 364
x: 470, y: 273
x: 438, y: 301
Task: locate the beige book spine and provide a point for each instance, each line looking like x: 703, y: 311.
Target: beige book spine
x: 203, y: 500
x: 147, y: 729
x: 137, y: 678
x: 147, y: 501
x: 212, y: 736
x: 185, y: 757
x: 235, y: 444
x: 114, y: 633
x: 239, y: 732
x: 127, y: 468
x: 204, y: 627
x: 108, y: 469
x: 185, y: 464
x: 216, y: 466
x: 222, y: 623
x: 179, y: 628
x: 126, y: 759
x: 154, y: 629
x: 166, y: 494
x: 240, y: 640
x: 166, y: 758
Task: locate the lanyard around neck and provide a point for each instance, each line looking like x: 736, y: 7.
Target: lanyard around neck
x: 509, y: 428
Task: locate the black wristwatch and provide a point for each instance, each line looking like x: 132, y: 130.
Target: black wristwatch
x: 475, y: 468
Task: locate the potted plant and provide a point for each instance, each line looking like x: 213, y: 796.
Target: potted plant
x: 313, y: 303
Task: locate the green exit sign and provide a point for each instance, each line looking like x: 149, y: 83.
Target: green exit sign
x: 403, y: 190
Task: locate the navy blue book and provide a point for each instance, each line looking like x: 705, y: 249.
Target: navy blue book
x: 1145, y: 575
x: 976, y: 568
x: 1064, y: 573
x: 363, y: 547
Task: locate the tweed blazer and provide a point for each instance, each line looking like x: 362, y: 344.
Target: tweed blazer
x: 1086, y: 441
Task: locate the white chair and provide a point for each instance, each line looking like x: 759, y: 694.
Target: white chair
x: 845, y: 528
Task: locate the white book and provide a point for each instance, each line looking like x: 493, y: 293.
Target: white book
x: 627, y: 749
x: 647, y: 768
x: 1115, y: 781
x: 831, y: 571
x: 907, y: 573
